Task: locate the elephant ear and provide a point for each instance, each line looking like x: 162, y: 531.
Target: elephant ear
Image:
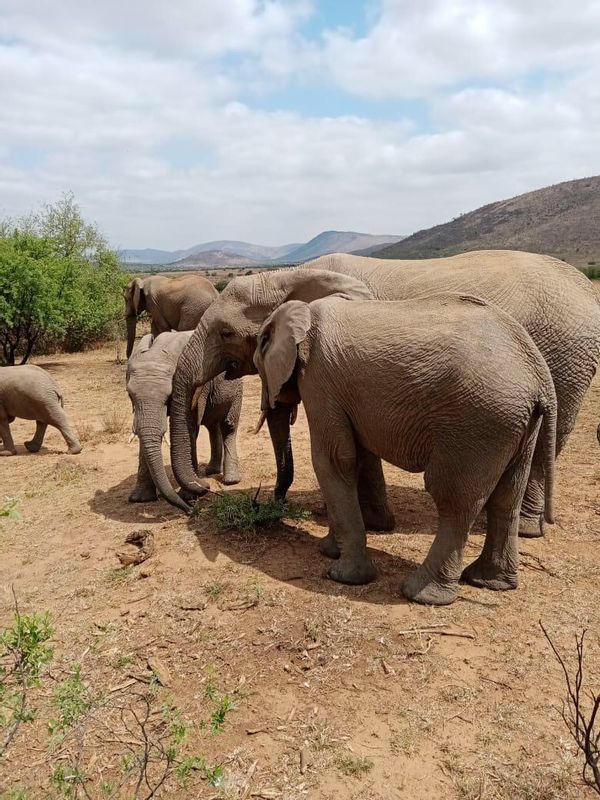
x: 144, y: 344
x: 308, y: 285
x: 139, y: 302
x: 276, y: 351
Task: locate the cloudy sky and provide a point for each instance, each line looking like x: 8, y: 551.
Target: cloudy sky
x: 271, y: 120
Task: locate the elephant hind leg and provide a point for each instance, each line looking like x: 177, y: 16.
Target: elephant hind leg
x: 435, y: 582
x: 496, y: 567
x: 59, y: 419
x: 372, y: 496
x: 40, y: 431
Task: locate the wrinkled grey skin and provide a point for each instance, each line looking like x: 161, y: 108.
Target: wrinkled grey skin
x: 29, y: 392
x: 174, y: 302
x: 461, y: 392
x: 553, y: 301
x: 149, y: 384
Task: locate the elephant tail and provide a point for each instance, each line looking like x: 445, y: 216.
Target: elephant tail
x: 598, y: 434
x: 548, y: 434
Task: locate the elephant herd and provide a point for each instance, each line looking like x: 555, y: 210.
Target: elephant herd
x: 470, y: 369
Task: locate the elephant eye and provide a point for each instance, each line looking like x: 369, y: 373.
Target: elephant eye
x: 226, y: 333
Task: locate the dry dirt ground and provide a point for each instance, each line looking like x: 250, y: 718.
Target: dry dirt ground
x: 240, y: 651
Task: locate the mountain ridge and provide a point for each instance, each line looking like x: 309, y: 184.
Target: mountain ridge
x: 561, y: 220
x: 231, y: 251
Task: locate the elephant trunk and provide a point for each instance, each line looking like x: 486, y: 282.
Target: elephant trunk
x: 278, y: 420
x: 184, y: 417
x: 131, y: 326
x: 150, y: 440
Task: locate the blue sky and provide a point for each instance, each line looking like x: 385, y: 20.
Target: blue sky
x: 271, y: 120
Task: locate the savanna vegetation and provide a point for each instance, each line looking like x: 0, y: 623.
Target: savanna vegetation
x: 60, y: 283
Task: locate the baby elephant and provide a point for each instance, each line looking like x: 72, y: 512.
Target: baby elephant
x: 448, y: 385
x: 30, y: 392
x: 150, y: 372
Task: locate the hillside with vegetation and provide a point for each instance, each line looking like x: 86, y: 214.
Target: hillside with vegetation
x: 561, y: 220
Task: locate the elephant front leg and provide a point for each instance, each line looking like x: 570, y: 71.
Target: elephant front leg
x: 144, y: 490
x: 215, y: 464
x: 435, y: 582
x: 347, y: 536
x: 372, y: 495
x: 229, y: 428
x: 35, y: 444
x: 278, y: 421
x: 7, y: 439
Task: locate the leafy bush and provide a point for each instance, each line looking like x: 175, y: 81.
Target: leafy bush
x: 242, y: 512
x: 592, y: 272
x: 60, y: 284
x: 220, y: 285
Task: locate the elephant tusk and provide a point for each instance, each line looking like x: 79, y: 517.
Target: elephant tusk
x: 261, y: 422
x: 132, y: 437
x: 196, y: 396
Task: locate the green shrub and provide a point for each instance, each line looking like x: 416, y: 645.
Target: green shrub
x: 241, y: 511
x: 60, y: 284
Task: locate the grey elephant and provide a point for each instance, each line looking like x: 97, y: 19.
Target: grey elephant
x: 447, y: 385
x: 29, y: 392
x: 149, y: 384
x: 553, y: 301
x: 173, y: 302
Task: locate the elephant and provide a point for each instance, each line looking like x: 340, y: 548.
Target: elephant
x: 29, y: 392
x: 447, y: 385
x: 174, y: 302
x: 149, y: 383
x: 553, y: 301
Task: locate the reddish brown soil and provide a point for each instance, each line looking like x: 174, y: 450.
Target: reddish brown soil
x: 311, y: 666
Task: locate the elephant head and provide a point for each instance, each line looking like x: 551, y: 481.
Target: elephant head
x: 225, y: 341
x: 149, y: 385
x: 277, y: 348
x: 135, y: 303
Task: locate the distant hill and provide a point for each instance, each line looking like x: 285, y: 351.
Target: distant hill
x: 227, y: 253
x: 337, y: 242
x: 209, y: 259
x: 561, y: 220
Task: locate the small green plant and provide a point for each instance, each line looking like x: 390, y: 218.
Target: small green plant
x: 243, y: 512
x: 8, y: 508
x: 212, y: 775
x: 354, y: 765
x: 215, y: 589
x: 217, y: 718
x: 66, y: 780
x: 122, y: 661
x: 23, y: 654
x: 72, y: 699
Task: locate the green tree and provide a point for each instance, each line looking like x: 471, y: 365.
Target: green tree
x: 60, y: 283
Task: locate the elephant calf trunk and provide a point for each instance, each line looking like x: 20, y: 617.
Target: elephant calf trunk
x: 151, y: 449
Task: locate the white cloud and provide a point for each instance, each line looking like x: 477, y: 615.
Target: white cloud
x: 147, y: 117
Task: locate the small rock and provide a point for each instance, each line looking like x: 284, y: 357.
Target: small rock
x: 160, y: 670
x: 85, y: 554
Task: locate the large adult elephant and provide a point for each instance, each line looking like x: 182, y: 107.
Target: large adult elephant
x: 553, y: 301
x: 173, y: 302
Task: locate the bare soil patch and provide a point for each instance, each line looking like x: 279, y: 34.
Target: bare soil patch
x: 291, y: 685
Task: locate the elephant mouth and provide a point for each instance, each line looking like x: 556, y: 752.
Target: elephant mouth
x: 233, y: 370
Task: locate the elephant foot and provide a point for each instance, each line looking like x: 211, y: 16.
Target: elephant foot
x: 212, y: 469
x: 419, y: 587
x: 531, y: 527
x: 32, y: 446
x: 352, y: 571
x: 142, y: 494
x: 378, y: 519
x: 74, y: 450
x: 8, y: 453
x: 329, y: 546
x: 487, y: 575
x: 231, y: 478
x: 280, y: 493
